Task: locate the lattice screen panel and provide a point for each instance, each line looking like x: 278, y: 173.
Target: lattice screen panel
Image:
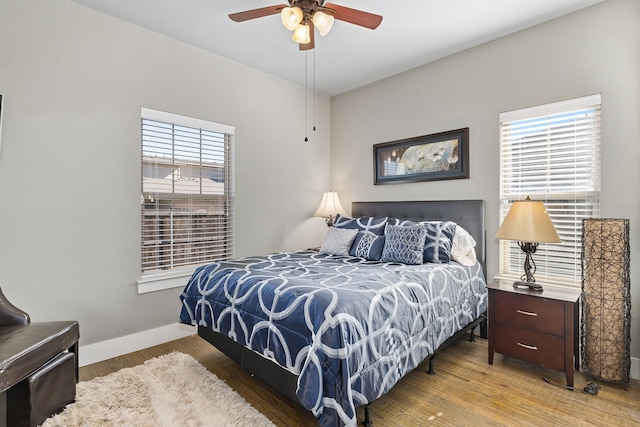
x: 606, y: 299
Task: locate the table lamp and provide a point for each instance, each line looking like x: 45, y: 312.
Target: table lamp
x: 528, y: 223
x: 329, y: 207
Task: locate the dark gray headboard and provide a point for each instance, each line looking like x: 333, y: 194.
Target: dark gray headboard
x: 468, y: 213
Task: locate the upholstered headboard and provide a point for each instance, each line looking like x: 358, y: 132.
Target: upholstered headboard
x: 468, y: 213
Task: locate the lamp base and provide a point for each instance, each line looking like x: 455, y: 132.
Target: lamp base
x: 531, y: 285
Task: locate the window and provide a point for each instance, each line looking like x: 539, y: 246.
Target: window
x: 187, y: 194
x: 552, y: 153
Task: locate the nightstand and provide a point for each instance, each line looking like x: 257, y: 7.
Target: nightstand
x: 537, y: 327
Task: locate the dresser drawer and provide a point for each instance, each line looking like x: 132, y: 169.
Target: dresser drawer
x: 533, y: 347
x: 530, y: 312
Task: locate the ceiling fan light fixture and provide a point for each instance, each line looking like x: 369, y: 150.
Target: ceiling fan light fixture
x: 302, y: 34
x: 323, y: 22
x: 291, y: 17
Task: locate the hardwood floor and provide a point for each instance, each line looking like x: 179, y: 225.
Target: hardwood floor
x: 466, y: 391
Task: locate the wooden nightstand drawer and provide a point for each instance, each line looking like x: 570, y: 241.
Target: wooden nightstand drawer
x: 533, y: 347
x: 530, y: 312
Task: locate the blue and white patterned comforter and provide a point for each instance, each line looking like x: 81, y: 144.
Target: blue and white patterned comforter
x: 350, y: 328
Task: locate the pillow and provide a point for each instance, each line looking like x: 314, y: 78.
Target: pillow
x: 463, y: 247
x: 365, y: 223
x: 404, y: 244
x: 396, y: 221
x: 338, y: 241
x: 367, y: 245
x: 437, y: 247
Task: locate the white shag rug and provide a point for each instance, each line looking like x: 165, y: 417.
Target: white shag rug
x: 166, y: 391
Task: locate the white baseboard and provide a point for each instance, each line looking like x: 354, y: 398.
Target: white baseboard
x: 103, y: 350
x: 635, y: 368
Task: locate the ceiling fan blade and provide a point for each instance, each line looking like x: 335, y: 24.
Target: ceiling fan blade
x: 355, y: 16
x: 256, y: 13
x: 312, y: 36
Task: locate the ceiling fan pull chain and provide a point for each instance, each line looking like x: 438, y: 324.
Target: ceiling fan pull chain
x: 314, y: 90
x: 306, y: 94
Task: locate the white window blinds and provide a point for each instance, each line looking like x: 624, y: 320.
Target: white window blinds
x: 552, y: 153
x: 187, y: 192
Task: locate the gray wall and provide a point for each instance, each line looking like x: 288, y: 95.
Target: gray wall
x: 596, y: 50
x: 74, y: 81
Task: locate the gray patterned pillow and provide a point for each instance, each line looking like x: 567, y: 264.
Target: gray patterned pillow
x: 338, y: 241
x: 404, y: 244
x: 437, y: 245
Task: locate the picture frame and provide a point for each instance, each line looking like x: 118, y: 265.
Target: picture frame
x: 434, y: 157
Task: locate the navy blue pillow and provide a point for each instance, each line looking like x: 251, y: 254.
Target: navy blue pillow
x: 368, y: 245
x: 437, y: 245
x: 365, y: 223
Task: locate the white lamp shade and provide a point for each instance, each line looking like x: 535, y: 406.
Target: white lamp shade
x: 330, y: 206
x: 301, y: 34
x: 323, y: 22
x: 528, y: 221
x: 291, y: 17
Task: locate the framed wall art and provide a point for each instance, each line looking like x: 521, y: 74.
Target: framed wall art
x: 434, y: 157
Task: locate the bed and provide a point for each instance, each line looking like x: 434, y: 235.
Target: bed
x: 334, y: 330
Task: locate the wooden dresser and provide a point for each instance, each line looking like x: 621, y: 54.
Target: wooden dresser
x: 537, y: 327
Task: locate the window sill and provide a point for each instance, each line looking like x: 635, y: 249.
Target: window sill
x: 162, y: 281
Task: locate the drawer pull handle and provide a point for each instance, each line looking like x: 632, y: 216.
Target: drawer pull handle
x: 528, y: 313
x: 530, y: 347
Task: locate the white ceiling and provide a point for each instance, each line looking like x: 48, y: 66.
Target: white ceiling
x: 412, y: 33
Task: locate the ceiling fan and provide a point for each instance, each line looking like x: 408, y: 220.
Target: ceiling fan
x: 302, y: 16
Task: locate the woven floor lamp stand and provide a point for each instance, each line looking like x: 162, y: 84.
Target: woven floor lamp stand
x: 606, y: 300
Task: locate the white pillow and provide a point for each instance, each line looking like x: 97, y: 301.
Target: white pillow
x: 338, y: 241
x: 463, y: 247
